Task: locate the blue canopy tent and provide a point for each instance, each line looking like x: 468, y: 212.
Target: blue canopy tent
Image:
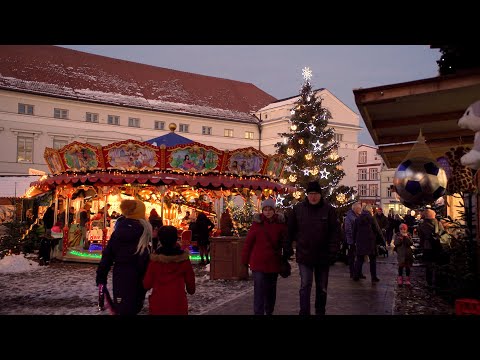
x: 170, y: 139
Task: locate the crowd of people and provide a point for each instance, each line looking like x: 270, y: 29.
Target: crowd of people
x: 145, y: 255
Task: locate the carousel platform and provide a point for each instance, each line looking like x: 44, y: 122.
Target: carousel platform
x: 79, y: 254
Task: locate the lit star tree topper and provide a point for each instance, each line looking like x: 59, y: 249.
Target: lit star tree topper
x: 311, y: 151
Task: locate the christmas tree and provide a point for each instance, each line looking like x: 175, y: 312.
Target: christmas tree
x: 310, y: 152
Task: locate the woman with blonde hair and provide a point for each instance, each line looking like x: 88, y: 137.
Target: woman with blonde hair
x: 128, y: 251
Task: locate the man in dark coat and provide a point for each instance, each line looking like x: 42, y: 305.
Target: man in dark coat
x: 313, y: 224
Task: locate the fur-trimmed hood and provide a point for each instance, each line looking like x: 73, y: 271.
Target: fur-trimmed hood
x: 170, y: 258
x: 277, y: 218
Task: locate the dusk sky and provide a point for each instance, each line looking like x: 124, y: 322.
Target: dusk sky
x: 277, y: 69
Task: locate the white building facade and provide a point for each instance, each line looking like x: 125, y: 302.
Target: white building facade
x: 369, y: 165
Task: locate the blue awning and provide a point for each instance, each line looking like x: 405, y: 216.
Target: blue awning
x: 170, y: 139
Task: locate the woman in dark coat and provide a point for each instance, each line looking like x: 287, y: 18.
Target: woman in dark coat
x: 128, y: 251
x: 366, y: 236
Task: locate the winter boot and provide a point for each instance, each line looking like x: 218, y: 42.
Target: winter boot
x: 400, y: 280
x: 407, y: 281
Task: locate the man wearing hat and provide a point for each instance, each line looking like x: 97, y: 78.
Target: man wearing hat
x: 314, y: 226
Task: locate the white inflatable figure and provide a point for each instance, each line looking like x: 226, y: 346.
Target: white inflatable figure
x: 471, y: 120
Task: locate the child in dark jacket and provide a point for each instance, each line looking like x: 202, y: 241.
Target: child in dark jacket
x: 169, y: 273
x: 403, y: 242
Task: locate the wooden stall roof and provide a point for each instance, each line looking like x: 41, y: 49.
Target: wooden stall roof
x: 395, y: 113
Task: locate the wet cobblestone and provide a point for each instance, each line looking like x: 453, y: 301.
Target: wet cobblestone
x: 419, y: 299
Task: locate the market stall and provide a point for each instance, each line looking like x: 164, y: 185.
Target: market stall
x: 172, y: 180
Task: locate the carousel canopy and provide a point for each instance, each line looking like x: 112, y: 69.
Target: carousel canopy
x: 133, y: 162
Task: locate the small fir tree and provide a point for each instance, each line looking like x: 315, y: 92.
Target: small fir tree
x: 311, y: 153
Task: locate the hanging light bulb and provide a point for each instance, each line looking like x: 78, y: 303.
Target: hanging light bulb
x: 292, y: 178
x: 293, y: 127
x: 290, y: 151
x: 300, y: 141
x: 308, y: 156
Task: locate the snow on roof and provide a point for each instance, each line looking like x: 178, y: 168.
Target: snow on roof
x: 56, y: 71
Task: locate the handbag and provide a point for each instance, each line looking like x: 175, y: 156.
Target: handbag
x: 285, y: 267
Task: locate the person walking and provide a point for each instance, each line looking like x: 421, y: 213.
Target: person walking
x: 350, y: 217
x: 169, y: 274
x: 128, y: 252
x: 366, y: 236
x: 313, y: 224
x: 262, y: 250
x: 403, y: 242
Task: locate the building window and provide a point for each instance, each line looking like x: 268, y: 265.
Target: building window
x: 362, y: 190
x: 206, y: 130
x: 390, y: 191
x: 338, y: 137
x: 248, y: 134
x: 373, y: 189
x: 228, y: 132
x: 60, y: 113
x: 159, y: 125
x: 25, y: 149
x: 57, y: 143
x: 373, y: 174
x: 113, y: 120
x: 362, y: 174
x: 133, y: 122
x: 25, y: 109
x: 362, y: 157
x: 183, y: 128
x: 91, y: 117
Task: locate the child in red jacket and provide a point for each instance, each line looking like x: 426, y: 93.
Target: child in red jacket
x: 169, y: 273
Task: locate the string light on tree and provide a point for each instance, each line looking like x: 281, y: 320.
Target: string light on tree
x: 324, y: 174
x: 318, y: 151
x: 317, y: 146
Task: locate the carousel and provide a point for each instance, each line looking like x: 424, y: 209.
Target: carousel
x: 177, y: 181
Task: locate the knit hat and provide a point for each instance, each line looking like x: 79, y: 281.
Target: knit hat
x: 133, y: 209
x: 268, y: 202
x: 313, y: 186
x: 429, y: 214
